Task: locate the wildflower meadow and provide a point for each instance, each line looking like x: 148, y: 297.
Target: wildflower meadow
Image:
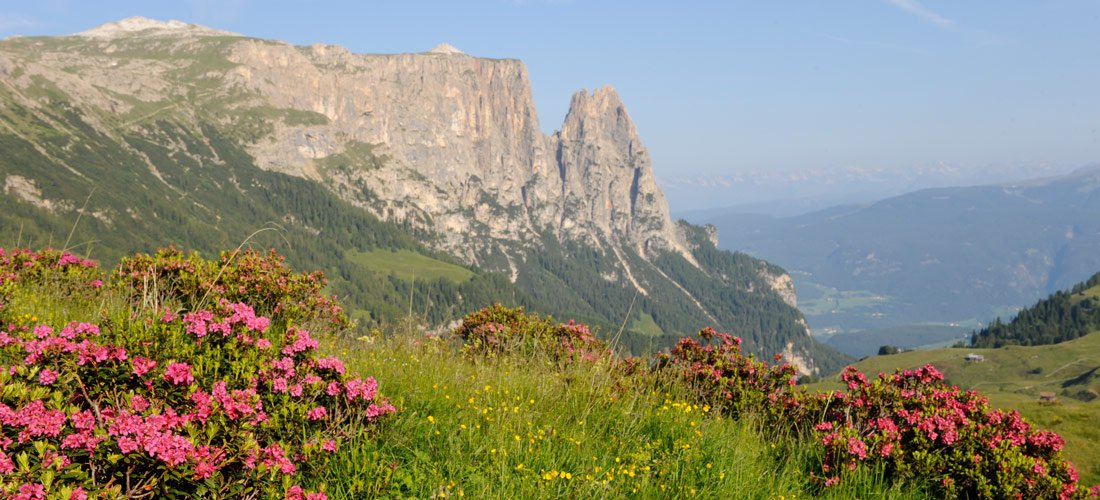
x: 177, y: 376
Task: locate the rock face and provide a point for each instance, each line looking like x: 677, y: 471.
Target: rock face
x: 466, y: 158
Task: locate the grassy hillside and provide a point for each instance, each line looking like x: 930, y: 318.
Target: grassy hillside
x: 532, y: 428
x: 409, y: 265
x: 1012, y: 377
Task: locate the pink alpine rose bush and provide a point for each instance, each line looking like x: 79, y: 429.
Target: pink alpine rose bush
x: 910, y: 424
x: 216, y: 402
x: 725, y: 378
x: 261, y: 280
x: 498, y: 329
x: 916, y: 426
x: 65, y: 272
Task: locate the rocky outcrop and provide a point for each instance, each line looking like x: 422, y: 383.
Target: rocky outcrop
x: 466, y: 156
x: 608, y: 187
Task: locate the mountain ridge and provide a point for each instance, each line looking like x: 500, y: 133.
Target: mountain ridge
x: 992, y: 249
x: 446, y: 147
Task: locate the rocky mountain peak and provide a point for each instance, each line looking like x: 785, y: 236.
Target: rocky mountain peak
x: 608, y: 171
x: 446, y: 49
x: 144, y: 26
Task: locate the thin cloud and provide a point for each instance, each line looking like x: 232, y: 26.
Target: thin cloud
x: 915, y: 8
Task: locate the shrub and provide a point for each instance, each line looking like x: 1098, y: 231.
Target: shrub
x: 68, y: 273
x: 173, y: 278
x: 918, y: 427
x: 213, y: 402
x: 727, y: 379
x: 498, y: 329
x: 910, y: 424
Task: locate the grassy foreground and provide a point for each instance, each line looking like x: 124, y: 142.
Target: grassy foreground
x: 506, y: 405
x: 530, y: 428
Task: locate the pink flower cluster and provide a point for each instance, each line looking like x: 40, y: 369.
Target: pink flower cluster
x: 910, y: 418
x: 202, y: 323
x: 179, y: 373
x: 910, y: 423
x: 165, y: 409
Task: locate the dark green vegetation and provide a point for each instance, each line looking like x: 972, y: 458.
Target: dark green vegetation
x: 1058, y: 318
x: 177, y: 172
x: 1013, y: 378
x: 949, y: 256
x: 730, y: 288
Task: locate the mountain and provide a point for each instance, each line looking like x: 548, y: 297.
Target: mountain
x: 948, y: 256
x: 1066, y: 315
x: 165, y: 132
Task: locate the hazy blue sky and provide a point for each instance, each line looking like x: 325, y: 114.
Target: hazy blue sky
x: 734, y: 87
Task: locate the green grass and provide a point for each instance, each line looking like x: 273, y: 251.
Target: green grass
x: 530, y: 428
x: 1012, y: 378
x: 511, y: 427
x: 646, y: 325
x: 409, y: 265
x: 827, y: 300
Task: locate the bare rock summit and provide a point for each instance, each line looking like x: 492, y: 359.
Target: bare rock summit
x: 446, y: 48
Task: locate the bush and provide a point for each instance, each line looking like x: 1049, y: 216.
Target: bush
x: 498, y: 329
x: 910, y: 424
x: 213, y: 402
x: 888, y: 350
x: 918, y: 427
x: 725, y: 378
x: 172, y: 278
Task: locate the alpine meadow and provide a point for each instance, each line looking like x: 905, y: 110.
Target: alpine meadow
x: 238, y: 267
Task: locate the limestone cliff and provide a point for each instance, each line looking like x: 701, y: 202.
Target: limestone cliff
x: 467, y: 159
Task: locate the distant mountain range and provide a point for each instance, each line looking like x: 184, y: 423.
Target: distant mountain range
x: 419, y: 182
x: 784, y: 193
x: 954, y: 257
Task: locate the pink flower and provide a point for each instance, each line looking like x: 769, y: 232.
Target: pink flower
x: 47, y: 376
x: 318, y: 413
x: 139, y: 403
x: 360, y: 388
x: 329, y: 445
x: 29, y: 491
x: 331, y: 363
x: 179, y: 373
x: 6, y: 465
x: 83, y: 420
x: 96, y: 283
x: 377, y: 410
x: 143, y: 365
x: 79, y: 494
